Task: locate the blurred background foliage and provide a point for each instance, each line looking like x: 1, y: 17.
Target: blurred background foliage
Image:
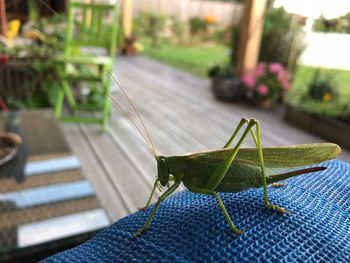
x: 339, y: 25
x: 34, y: 57
x: 201, y: 44
x: 282, y: 39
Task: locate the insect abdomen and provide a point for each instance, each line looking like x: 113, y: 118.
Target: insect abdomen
x: 238, y: 178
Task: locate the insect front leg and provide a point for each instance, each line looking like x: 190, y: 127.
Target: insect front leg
x: 257, y: 140
x: 151, y: 196
x: 155, y: 186
x: 168, y: 192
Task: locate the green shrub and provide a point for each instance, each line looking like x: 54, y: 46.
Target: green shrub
x: 223, y: 71
x: 37, y: 91
x: 323, y: 87
x: 197, y: 25
x: 321, y: 91
x: 151, y: 25
x: 281, y: 39
x: 338, y: 25
x: 178, y: 28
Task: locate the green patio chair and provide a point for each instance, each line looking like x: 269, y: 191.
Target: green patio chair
x: 91, y: 28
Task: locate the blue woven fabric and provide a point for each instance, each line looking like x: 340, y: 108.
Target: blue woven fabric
x: 191, y: 228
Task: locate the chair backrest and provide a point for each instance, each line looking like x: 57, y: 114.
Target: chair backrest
x: 92, y: 25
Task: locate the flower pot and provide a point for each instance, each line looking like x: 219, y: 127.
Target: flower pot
x: 226, y: 89
x: 129, y: 47
x: 4, y: 59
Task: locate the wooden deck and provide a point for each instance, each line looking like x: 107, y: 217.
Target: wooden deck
x: 182, y: 116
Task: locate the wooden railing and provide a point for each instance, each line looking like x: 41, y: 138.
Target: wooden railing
x: 18, y: 79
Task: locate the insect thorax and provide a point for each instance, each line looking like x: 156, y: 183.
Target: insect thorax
x: 173, y: 165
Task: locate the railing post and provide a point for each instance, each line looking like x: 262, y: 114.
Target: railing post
x: 3, y: 17
x: 250, y: 35
x: 127, y: 18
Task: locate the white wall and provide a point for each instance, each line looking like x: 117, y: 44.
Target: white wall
x: 329, y: 50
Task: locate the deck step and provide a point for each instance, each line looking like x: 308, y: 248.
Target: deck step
x: 10, y: 185
x: 32, y: 214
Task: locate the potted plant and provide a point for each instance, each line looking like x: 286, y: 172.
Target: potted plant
x: 320, y: 97
x: 4, y: 56
x: 225, y: 85
x: 322, y: 88
x: 266, y: 84
x: 131, y: 46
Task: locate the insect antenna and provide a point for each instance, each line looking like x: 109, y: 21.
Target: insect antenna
x: 146, y: 138
x: 137, y: 113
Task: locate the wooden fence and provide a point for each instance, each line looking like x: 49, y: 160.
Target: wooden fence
x: 225, y: 13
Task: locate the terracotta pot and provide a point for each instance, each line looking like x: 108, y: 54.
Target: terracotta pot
x: 129, y: 46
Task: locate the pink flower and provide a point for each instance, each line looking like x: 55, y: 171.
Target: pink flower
x: 260, y: 70
x: 283, y: 79
x: 285, y: 84
x: 249, y: 81
x: 262, y: 89
x: 276, y: 68
x: 281, y: 76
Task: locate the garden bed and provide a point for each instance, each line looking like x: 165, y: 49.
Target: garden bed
x: 331, y: 129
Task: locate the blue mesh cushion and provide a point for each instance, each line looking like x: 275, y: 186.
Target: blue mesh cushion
x: 191, y: 228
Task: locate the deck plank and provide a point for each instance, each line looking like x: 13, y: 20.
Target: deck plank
x: 181, y: 115
x: 43, y: 136
x: 93, y: 169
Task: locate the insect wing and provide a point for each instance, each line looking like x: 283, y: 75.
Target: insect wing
x: 275, y: 157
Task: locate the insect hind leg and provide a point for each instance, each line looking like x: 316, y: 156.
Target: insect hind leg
x: 220, y: 171
x: 221, y: 205
x: 239, y: 126
x: 257, y: 140
x: 278, y: 185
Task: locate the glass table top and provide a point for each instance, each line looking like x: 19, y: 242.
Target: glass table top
x: 44, y: 196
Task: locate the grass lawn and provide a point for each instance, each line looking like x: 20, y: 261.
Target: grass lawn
x: 196, y: 60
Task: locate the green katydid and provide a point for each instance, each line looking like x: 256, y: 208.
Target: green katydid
x: 236, y: 169
x: 229, y: 169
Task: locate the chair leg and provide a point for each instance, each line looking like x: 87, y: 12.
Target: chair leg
x: 106, y: 82
x: 105, y: 109
x: 59, y: 103
x: 69, y: 94
x: 106, y: 104
x: 106, y: 114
